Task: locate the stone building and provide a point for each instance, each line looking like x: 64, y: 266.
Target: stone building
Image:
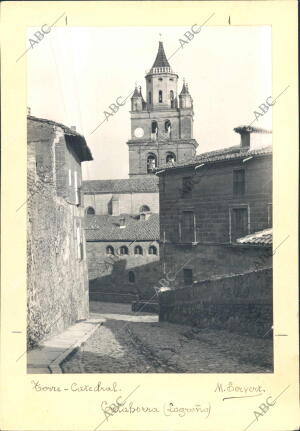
x: 207, y: 204
x: 123, y: 256
x: 127, y: 196
x: 57, y: 289
x: 161, y: 132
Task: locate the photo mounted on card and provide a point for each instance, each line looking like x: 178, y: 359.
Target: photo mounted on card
x: 161, y: 243
x: 157, y: 254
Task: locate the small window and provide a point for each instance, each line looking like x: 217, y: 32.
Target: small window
x: 138, y: 250
x: 152, y: 250
x: 90, y: 211
x: 160, y: 79
x: 188, y: 276
x: 123, y: 250
x: 168, y: 127
x: 172, y: 99
x: 154, y: 127
x: 131, y: 277
x: 171, y: 79
x: 160, y: 96
x: 187, y: 187
x: 144, y: 209
x: 110, y: 250
x: 239, y: 182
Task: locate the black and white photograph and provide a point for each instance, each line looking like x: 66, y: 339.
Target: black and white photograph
x: 149, y: 210
x: 149, y: 215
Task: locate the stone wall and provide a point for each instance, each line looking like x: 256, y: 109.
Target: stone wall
x: 109, y: 278
x: 211, y: 260
x: 239, y: 303
x: 57, y: 286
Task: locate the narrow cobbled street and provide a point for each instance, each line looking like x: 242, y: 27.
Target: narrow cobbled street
x: 129, y: 342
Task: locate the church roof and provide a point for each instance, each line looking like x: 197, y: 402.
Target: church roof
x: 161, y: 59
x: 107, y: 228
x: 147, y: 184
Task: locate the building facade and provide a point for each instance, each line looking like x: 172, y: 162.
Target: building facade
x: 115, y: 197
x: 206, y: 205
x: 161, y: 125
x: 161, y: 133
x: 57, y: 288
x: 123, y: 256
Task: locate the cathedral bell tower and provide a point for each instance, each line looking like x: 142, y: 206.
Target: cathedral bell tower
x: 161, y: 126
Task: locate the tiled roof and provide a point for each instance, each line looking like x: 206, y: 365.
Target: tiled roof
x: 263, y: 237
x: 230, y: 153
x: 107, y: 228
x: 161, y: 59
x: 79, y: 144
x: 145, y: 184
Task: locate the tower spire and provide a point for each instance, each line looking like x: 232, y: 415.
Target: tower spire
x: 161, y: 58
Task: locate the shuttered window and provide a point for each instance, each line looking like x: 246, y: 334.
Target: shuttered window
x: 239, y: 182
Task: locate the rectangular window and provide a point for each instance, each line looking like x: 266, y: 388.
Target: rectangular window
x: 187, y: 276
x: 187, y: 226
x: 270, y: 216
x: 187, y: 187
x: 239, y: 223
x: 239, y: 182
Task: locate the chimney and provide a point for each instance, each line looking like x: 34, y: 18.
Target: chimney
x: 122, y: 223
x: 28, y: 110
x: 244, y: 131
x: 73, y: 128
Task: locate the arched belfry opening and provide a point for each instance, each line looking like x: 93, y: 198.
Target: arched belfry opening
x: 170, y: 158
x: 154, y: 130
x: 151, y: 162
x: 168, y: 128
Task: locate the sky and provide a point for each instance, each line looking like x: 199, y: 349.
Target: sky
x: 75, y: 73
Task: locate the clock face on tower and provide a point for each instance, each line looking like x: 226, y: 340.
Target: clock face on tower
x: 139, y: 132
